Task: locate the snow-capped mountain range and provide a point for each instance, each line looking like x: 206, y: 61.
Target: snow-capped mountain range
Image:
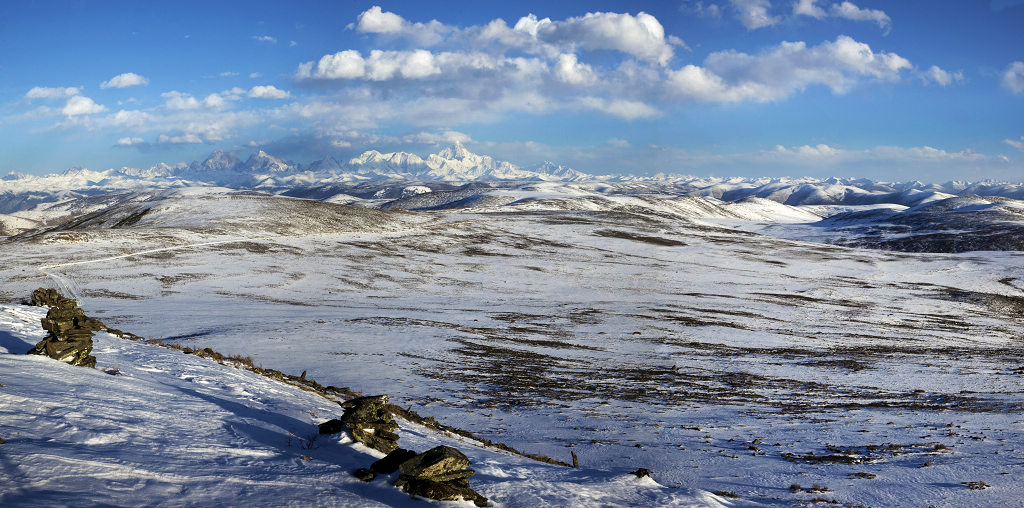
x: 456, y: 165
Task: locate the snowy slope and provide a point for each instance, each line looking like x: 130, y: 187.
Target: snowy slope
x: 152, y: 426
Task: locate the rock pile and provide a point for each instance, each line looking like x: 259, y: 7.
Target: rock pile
x: 43, y: 297
x: 369, y: 422
x: 70, y: 337
x: 440, y: 473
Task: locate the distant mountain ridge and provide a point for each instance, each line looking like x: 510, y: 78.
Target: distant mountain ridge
x: 456, y: 165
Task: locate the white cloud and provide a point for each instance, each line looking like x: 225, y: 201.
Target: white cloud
x: 375, y: 21
x: 255, y: 75
x: 641, y: 36
x: 625, y: 109
x: 1013, y: 78
x: 81, y: 105
x: 845, y: 10
x: 710, y: 10
x: 348, y: 64
x: 42, y: 92
x: 808, y: 151
x: 942, y: 77
x: 124, y: 80
x: 808, y: 8
x: 754, y: 13
x: 126, y: 118
x: 569, y: 70
x: 215, y: 101
x: 438, y: 138
x: 850, y: 11
x: 130, y: 141
x: 378, y: 66
x: 180, y: 139
x: 268, y: 92
x: 178, y: 101
x: 1018, y: 144
x: 227, y: 74
x: 417, y: 64
x: 265, y: 38
x: 731, y: 76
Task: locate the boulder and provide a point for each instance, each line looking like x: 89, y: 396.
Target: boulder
x: 332, y: 426
x: 441, y: 473
x: 390, y: 464
x: 371, y: 423
x: 70, y: 337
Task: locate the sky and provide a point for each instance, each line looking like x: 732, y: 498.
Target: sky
x: 891, y: 91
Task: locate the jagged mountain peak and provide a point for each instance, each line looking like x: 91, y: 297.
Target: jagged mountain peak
x: 457, y: 152
x: 220, y: 160
x: 261, y: 161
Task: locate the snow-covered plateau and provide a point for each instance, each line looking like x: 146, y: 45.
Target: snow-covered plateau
x: 750, y: 342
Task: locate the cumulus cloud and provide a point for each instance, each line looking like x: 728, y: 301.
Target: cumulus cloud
x: 731, y: 76
x: 1013, y: 78
x: 569, y: 70
x: 378, y: 66
x: 374, y: 20
x: 42, y: 92
x: 129, y: 141
x: 845, y: 10
x: 377, y: 21
x: 265, y: 38
x: 808, y: 8
x: 641, y: 36
x: 941, y: 77
x: 180, y: 101
x: 81, y: 105
x: 268, y: 92
x: 1018, y: 144
x: 754, y: 13
x: 126, y: 118
x: 124, y: 80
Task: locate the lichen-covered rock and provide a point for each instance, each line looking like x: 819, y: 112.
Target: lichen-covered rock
x: 390, y: 464
x: 371, y: 423
x: 70, y: 337
x: 440, y: 473
x: 46, y: 297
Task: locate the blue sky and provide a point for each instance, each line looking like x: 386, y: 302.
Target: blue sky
x: 930, y: 91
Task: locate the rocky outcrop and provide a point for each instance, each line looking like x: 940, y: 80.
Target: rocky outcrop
x: 70, y: 337
x: 371, y: 423
x: 441, y: 473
